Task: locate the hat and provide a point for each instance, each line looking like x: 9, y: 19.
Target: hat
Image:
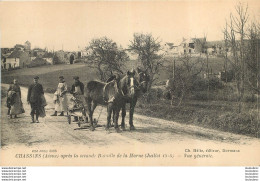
x: 61, y: 77
x: 76, y: 77
x: 36, y: 77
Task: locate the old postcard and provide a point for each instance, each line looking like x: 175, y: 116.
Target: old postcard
x: 119, y: 83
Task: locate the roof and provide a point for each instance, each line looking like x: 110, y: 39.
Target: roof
x: 171, y: 45
x: 15, y: 54
x: 19, y: 45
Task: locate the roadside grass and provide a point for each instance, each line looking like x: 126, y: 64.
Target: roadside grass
x: 221, y: 115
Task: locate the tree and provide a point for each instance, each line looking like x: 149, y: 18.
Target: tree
x: 185, y: 74
x: 252, y: 57
x: 235, y: 33
x: 106, y: 57
x: 147, y: 48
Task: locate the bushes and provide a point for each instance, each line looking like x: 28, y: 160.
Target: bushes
x: 200, y: 84
x: 243, y: 123
x: 38, y: 62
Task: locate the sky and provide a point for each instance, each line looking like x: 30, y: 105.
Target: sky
x: 72, y: 25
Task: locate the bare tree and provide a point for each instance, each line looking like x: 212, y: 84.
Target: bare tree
x: 235, y: 33
x: 186, y: 72
x: 252, y: 57
x: 147, y: 48
x: 106, y: 57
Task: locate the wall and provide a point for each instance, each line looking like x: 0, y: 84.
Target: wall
x: 14, y: 62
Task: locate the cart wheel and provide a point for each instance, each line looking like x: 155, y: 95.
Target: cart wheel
x: 69, y: 119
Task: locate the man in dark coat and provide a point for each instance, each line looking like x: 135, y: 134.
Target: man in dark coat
x: 77, y: 87
x: 34, y: 98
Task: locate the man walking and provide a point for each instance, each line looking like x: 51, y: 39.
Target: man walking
x: 34, y: 98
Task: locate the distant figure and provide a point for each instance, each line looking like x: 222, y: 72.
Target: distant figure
x: 71, y: 58
x: 35, y: 98
x: 14, y: 102
x: 60, y: 98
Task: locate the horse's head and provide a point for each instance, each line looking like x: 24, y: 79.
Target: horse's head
x: 143, y: 79
x: 128, y: 84
x: 131, y: 83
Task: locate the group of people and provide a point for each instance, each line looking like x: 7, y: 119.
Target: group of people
x: 36, y: 99
x: 60, y: 96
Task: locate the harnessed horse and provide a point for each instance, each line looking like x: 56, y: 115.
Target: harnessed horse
x: 102, y: 93
x: 141, y: 85
x: 137, y: 85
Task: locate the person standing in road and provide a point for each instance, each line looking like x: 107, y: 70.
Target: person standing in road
x: 60, y: 98
x: 77, y: 90
x: 14, y: 102
x: 35, y: 92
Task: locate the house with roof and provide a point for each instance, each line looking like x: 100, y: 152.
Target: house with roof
x: 170, y: 49
x: 19, y: 47
x: 16, y: 59
x: 187, y: 46
x: 38, y: 52
x: 48, y: 57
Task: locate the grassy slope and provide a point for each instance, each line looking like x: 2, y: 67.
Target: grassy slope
x: 215, y: 63
x: 49, y: 75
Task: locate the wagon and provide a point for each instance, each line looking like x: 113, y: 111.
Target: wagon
x: 78, y: 112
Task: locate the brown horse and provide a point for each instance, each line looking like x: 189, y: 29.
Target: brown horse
x: 110, y: 94
x: 138, y: 86
x: 142, y: 79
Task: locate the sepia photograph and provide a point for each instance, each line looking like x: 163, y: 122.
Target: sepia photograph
x: 130, y: 83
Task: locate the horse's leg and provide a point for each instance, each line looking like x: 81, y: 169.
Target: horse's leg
x: 109, y: 112
x: 123, y: 117
x: 116, y: 112
x: 93, y: 107
x: 131, y: 114
x: 89, y: 112
x: 113, y: 112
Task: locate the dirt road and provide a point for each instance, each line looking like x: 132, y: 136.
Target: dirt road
x: 57, y: 131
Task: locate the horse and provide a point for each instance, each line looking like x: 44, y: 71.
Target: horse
x: 142, y: 79
x: 109, y: 94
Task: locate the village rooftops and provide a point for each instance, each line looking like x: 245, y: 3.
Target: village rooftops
x: 15, y: 54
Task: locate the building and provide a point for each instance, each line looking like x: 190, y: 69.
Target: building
x: 187, y: 46
x: 27, y: 45
x: 48, y: 57
x: 16, y: 59
x: 170, y: 49
x: 38, y: 52
x: 19, y: 47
